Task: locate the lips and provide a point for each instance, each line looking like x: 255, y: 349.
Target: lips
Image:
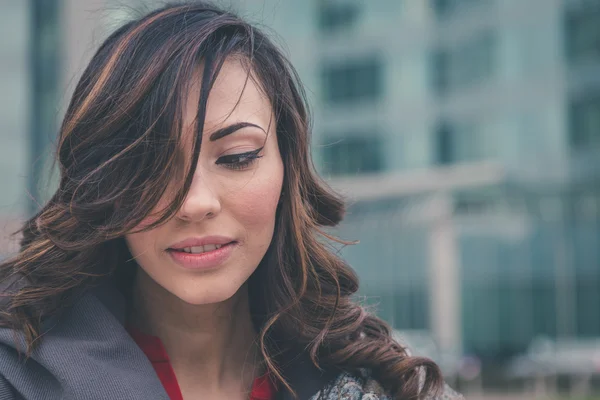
x: 210, y: 258
x: 202, y: 253
x: 200, y: 249
x: 201, y: 243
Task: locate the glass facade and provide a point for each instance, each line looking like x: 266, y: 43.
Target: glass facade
x: 14, y: 106
x: 352, y: 81
x: 45, y: 81
x: 542, y: 280
x: 353, y: 154
x: 585, y: 122
x: 14, y: 112
x: 29, y: 109
x: 465, y: 64
x: 445, y: 8
x: 582, y: 33
x: 459, y: 143
x: 386, y: 258
x: 334, y: 16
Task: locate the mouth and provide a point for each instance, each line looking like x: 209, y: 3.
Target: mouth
x: 201, y: 249
x: 208, y: 256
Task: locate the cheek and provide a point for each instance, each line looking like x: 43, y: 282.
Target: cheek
x: 255, y: 204
x: 136, y: 243
x: 258, y: 204
x: 142, y: 244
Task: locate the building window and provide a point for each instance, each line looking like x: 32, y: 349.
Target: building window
x: 334, y: 16
x: 468, y: 64
x: 585, y: 123
x: 352, y: 155
x: 456, y: 143
x: 441, y: 71
x: 582, y: 29
x: 45, y: 60
x: 443, y: 145
x: 352, y: 82
x: 441, y: 7
x: 444, y: 8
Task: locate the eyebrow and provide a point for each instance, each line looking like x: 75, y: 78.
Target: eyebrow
x: 228, y: 130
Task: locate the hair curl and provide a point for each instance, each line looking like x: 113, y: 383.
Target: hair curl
x: 118, y: 151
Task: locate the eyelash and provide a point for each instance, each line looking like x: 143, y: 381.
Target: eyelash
x: 240, y: 161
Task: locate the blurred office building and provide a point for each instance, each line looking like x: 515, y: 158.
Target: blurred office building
x: 465, y: 135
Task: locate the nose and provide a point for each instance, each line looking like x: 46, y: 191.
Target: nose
x: 200, y: 203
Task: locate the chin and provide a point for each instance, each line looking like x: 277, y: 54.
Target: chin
x: 208, y: 294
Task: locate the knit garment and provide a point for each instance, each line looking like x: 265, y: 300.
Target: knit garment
x: 350, y: 387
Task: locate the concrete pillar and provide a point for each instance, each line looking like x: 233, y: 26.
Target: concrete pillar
x: 444, y: 277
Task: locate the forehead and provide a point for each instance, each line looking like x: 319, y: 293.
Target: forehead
x: 234, y: 97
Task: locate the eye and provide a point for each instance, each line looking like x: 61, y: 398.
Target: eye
x: 239, y: 161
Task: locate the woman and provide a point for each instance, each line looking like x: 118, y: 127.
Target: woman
x: 181, y: 256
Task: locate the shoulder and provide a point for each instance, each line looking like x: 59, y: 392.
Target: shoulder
x: 7, y: 392
x: 364, y: 387
x: 353, y: 387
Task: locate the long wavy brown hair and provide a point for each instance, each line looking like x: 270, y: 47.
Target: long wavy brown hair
x: 118, y: 151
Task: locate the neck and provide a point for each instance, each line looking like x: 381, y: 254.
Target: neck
x: 211, y: 346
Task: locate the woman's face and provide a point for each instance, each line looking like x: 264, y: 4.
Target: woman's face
x: 225, y: 225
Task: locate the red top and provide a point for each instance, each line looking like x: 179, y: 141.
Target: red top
x: 263, y: 388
